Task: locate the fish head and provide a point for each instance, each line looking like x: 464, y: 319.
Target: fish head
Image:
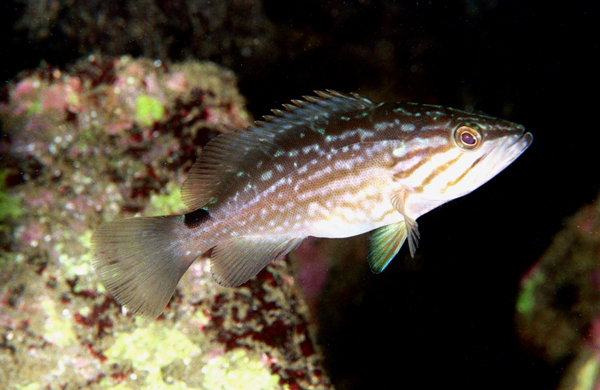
x: 477, y: 148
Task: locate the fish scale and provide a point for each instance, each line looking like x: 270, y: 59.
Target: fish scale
x: 331, y: 165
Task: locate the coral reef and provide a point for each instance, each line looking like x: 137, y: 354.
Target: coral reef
x: 111, y: 138
x: 558, y: 308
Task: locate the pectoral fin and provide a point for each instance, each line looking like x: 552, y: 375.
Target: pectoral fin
x: 412, y: 228
x: 235, y: 261
x: 385, y: 244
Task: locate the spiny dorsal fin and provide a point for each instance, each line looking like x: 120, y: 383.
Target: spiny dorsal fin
x: 231, y: 156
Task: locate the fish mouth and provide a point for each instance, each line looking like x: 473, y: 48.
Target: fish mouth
x: 508, y: 151
x: 521, y: 143
x: 527, y: 138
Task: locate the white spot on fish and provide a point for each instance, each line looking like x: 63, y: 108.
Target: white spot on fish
x: 365, y: 134
x: 320, y: 173
x: 400, y: 110
x: 266, y: 176
x: 399, y: 151
x: 312, y: 209
x: 383, y: 126
x: 341, y: 165
x: 408, y: 127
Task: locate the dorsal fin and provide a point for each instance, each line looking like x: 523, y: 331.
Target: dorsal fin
x: 233, y: 155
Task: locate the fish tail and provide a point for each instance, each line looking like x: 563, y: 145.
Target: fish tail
x: 141, y: 260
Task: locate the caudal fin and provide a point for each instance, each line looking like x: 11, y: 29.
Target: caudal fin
x: 141, y: 260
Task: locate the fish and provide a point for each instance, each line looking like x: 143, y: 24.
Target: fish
x: 331, y: 165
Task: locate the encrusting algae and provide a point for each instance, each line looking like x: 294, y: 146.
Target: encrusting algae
x: 333, y: 165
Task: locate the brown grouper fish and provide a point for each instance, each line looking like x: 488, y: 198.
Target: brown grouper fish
x: 332, y: 165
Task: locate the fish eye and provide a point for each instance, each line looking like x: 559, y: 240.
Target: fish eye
x: 467, y: 136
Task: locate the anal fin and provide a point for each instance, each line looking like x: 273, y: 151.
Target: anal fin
x: 235, y: 261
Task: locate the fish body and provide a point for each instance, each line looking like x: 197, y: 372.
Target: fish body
x: 333, y: 165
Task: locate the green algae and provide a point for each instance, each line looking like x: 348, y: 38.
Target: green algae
x: 587, y: 375
x: 31, y: 386
x: 148, y: 110
x: 150, y: 348
x: 168, y: 202
x: 58, y: 328
x: 10, y: 206
x: 526, y: 298
x: 76, y: 265
x: 10, y: 259
x: 34, y: 108
x: 155, y: 348
x: 236, y: 370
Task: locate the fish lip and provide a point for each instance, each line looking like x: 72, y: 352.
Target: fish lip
x: 522, y: 143
x: 528, y: 137
x: 513, y: 148
x: 518, y: 146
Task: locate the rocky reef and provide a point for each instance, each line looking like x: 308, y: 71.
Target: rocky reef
x: 110, y: 138
x: 558, y: 307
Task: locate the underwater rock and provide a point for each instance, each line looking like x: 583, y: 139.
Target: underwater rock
x: 111, y: 138
x: 558, y: 307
